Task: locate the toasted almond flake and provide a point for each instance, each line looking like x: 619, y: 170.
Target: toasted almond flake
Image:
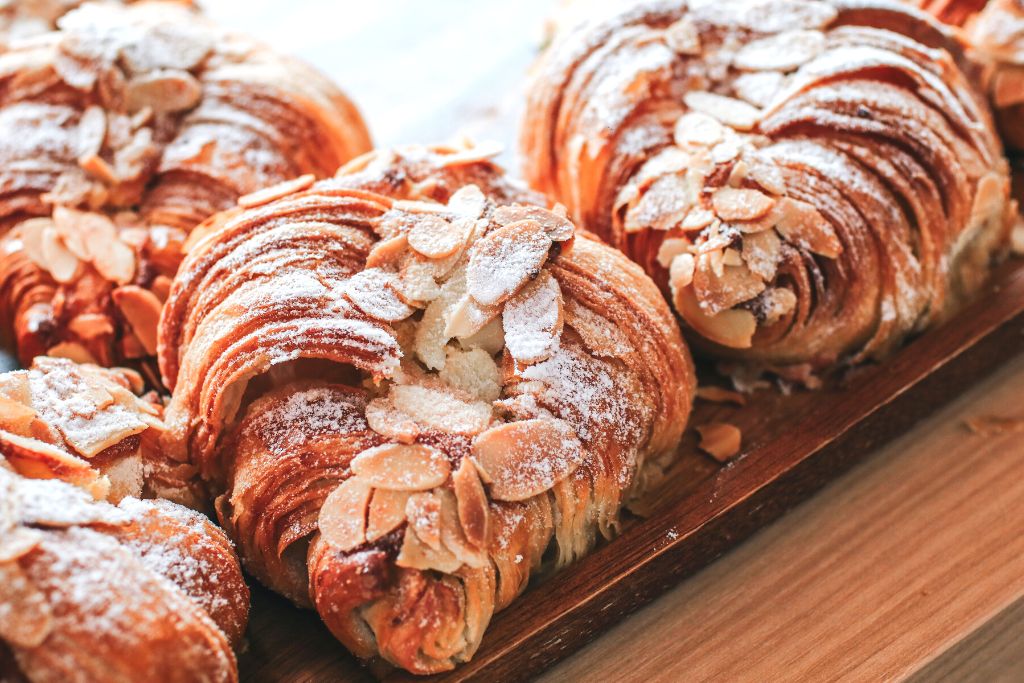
x: 91, y: 325
x: 680, y: 273
x: 504, y: 260
x: 452, y: 536
x: 670, y: 248
x: 15, y: 417
x: 423, y: 510
x: 695, y: 128
x: 472, y: 154
x: 727, y: 150
x: 388, y: 421
x: 63, y: 265
x: 769, y: 177
x: 697, y: 219
x: 734, y: 204
x: 661, y: 206
x: 720, y: 440
x: 141, y: 309
x: 473, y: 372
x: 1008, y: 86
x: 994, y: 425
x: 434, y: 237
x: 761, y: 252
x: 490, y: 338
x: 731, y: 257
x: 526, y: 458
x: 15, y: 386
x: 683, y: 37
x: 717, y: 293
x: 802, y: 225
x: 555, y: 222
x: 163, y: 90
x: 431, y: 339
x: 776, y: 304
x: 602, y: 337
x: 388, y: 252
x: 730, y: 111
x: 780, y: 52
x: 532, y: 320
x: 92, y: 129
x: 416, y: 282
x: 17, y: 542
x: 115, y: 261
x: 472, y: 503
x: 387, y: 511
x: 733, y: 328
x: 720, y: 395
x: 342, y: 520
x: 72, y: 351
x: 401, y: 467
x: 275, y: 192
x: 26, y: 620
x: 372, y: 291
x: 468, y: 202
x: 39, y: 460
x: 415, y: 554
x: 441, y: 409
x: 30, y: 232
x: 759, y: 87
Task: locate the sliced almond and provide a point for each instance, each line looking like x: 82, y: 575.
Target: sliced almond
x: 768, y: 176
x: 717, y: 293
x: 526, y: 458
x: 473, y: 372
x: 780, y: 52
x: 452, y: 536
x: 802, y: 225
x: 373, y: 292
x: 275, y: 192
x: 720, y: 395
x: 776, y: 304
x: 423, y: 510
x: 602, y: 337
x: 697, y: 219
x: 115, y: 261
x: 401, y: 467
x: 695, y: 128
x: 434, y: 237
x: 387, y: 512
x: 490, y: 338
x: 761, y: 251
x: 342, y: 519
x: 39, y: 460
x: 680, y: 273
x: 15, y: 386
x: 734, y: 204
x: 733, y: 328
x: 469, y: 201
x: 720, y: 440
x: 388, y: 252
x: 730, y: 111
x: 555, y: 222
x: 532, y: 320
x: 504, y: 260
x: 416, y: 282
x: 670, y: 248
x: 683, y: 37
x: 388, y: 421
x: 141, y: 309
x: 16, y: 417
x: 441, y: 409
x: 661, y: 206
x: 163, y: 90
x: 63, y: 265
x: 1008, y: 86
x: 472, y: 503
x: 431, y: 339
x: 72, y: 351
x: 759, y: 87
x: 17, y: 542
x: 415, y: 554
x: 467, y: 317
x: 30, y: 232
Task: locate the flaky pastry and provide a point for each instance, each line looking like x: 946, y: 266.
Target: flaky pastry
x: 413, y: 391
x: 120, y: 132
x: 810, y: 181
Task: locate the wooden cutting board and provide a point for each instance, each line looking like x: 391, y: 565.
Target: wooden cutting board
x: 793, y: 445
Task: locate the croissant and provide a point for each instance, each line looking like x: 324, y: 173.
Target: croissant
x: 123, y: 130
x: 89, y: 591
x: 144, y: 590
x: 412, y: 392
x: 994, y: 31
x: 809, y: 181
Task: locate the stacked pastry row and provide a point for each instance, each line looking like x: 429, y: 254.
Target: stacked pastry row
x: 408, y: 389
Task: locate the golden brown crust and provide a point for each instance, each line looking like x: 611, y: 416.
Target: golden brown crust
x: 811, y: 181
x: 142, y: 591
x: 410, y: 392
x: 123, y: 130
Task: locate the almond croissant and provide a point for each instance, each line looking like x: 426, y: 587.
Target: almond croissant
x: 810, y: 180
x: 413, y: 391
x: 121, y: 132
x: 146, y: 590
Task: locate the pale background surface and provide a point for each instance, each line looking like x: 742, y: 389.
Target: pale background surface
x: 911, y: 564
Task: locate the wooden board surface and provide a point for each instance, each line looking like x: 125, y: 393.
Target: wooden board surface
x: 793, y: 446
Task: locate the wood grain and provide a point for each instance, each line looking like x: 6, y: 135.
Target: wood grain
x: 878, y: 577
